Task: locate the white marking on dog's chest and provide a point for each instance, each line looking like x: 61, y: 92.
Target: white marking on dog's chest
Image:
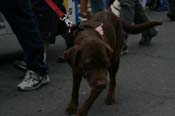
x: 115, y: 8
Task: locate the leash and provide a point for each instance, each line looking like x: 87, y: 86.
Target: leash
x: 60, y: 14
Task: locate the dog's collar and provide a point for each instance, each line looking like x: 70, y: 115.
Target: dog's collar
x: 98, y: 30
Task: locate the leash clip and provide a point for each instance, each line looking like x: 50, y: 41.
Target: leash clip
x: 68, y: 22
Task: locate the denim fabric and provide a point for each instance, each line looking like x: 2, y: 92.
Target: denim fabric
x: 98, y: 5
x: 163, y: 5
x: 23, y: 22
x: 171, y: 7
x: 133, y: 12
x: 49, y: 24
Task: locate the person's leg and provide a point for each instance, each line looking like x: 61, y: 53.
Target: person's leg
x: 173, y: 6
x: 83, y: 14
x: 171, y: 11
x: 127, y: 15
x: 44, y: 20
x: 141, y: 17
x: 98, y: 5
x: 143, y: 2
x: 21, y: 19
x: 1, y: 17
x: 2, y: 25
x: 83, y: 6
x: 163, y: 6
x: 107, y: 4
x: 152, y: 4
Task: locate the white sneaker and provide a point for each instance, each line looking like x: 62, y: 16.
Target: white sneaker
x: 33, y: 80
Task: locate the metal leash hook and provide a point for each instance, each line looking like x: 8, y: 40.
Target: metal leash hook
x: 67, y: 21
x: 60, y: 14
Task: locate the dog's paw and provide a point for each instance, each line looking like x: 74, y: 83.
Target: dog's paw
x: 71, y: 109
x: 110, y: 100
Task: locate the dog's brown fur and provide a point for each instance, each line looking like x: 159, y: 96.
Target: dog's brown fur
x: 92, y: 56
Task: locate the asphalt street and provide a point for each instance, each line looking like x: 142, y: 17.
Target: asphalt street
x: 146, y: 79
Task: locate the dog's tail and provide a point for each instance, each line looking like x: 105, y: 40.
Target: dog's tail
x: 138, y: 28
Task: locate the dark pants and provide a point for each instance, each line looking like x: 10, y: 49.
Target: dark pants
x: 171, y: 7
x: 49, y: 23
x: 23, y: 22
x: 133, y: 12
x: 1, y: 18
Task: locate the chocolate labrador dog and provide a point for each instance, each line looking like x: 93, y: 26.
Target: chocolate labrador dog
x: 96, y: 52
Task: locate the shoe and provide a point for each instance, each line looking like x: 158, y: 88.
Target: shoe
x: 20, y: 65
x: 32, y: 80
x: 146, y: 40
x: 172, y: 18
x: 124, y: 50
x: 82, y: 17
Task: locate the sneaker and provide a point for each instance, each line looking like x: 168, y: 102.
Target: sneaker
x: 124, y: 50
x: 82, y: 17
x: 20, y: 65
x: 145, y: 41
x: 32, y: 80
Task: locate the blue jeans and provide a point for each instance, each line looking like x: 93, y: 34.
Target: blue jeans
x: 98, y: 5
x: 164, y: 4
x: 23, y: 23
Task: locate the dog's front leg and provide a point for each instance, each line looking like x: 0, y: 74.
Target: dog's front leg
x: 83, y: 111
x: 72, y: 107
x: 110, y: 99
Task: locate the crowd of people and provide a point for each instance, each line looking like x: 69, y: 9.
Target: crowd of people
x: 161, y: 5
x: 36, y: 25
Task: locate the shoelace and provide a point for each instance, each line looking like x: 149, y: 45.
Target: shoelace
x: 31, y: 76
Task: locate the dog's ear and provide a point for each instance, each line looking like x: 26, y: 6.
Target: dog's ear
x: 71, y: 55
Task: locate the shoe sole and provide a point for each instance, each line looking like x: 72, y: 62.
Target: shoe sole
x: 46, y: 82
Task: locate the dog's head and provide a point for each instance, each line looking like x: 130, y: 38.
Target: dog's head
x: 92, y: 58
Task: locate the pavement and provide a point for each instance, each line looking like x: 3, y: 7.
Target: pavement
x: 146, y: 85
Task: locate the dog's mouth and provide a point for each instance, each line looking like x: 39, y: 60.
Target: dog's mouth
x: 97, y: 83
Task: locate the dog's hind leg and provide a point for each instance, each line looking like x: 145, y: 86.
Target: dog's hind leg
x: 110, y: 99
x: 72, y: 107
